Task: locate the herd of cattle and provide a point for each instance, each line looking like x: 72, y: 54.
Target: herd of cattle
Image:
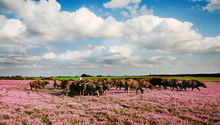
x: 101, y: 86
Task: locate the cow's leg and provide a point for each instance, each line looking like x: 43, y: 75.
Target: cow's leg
x: 172, y: 88
x: 159, y: 85
x: 128, y: 89
x: 142, y: 90
x: 165, y: 87
x: 198, y: 88
x: 136, y: 91
x: 184, y: 87
x: 97, y: 92
x: 84, y: 92
x: 177, y: 89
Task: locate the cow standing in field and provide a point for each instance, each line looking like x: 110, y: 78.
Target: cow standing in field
x: 117, y: 83
x: 34, y: 84
x: 38, y: 84
x: 58, y: 83
x: 156, y: 82
x: 133, y: 84
x: 82, y: 87
x: 106, y: 83
x: 66, y: 85
x: 120, y: 83
x: 145, y: 83
x: 43, y: 83
x: 192, y: 84
x: 77, y: 87
x: 94, y: 88
x: 166, y: 83
x: 173, y: 83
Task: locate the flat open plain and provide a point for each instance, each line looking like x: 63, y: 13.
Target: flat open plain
x: 20, y: 105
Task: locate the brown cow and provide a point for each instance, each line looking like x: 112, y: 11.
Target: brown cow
x: 146, y: 83
x: 192, y: 84
x: 173, y: 83
x: 157, y: 82
x: 34, y: 84
x: 120, y: 83
x: 42, y: 83
x: 94, y: 88
x: 66, y: 85
x: 58, y: 83
x: 134, y: 84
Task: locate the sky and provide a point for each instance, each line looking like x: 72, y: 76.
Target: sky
x: 109, y: 37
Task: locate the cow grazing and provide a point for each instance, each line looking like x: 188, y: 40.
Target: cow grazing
x: 145, y: 83
x: 43, y: 83
x: 94, y: 88
x: 34, y: 84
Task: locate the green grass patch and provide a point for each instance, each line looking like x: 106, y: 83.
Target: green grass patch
x: 45, y: 120
x: 28, y: 112
x: 24, y: 122
x: 5, y: 117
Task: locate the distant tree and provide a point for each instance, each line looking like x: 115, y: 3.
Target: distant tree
x: 85, y: 75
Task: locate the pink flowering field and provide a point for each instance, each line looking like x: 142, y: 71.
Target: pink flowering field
x: 20, y: 105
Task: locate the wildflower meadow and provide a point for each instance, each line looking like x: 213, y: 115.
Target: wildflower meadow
x: 20, y: 105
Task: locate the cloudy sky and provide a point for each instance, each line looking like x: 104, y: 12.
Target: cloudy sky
x: 109, y: 37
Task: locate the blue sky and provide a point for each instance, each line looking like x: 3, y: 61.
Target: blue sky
x: 184, y: 10
x: 109, y: 37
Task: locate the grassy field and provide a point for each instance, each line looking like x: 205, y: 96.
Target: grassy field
x: 205, y: 79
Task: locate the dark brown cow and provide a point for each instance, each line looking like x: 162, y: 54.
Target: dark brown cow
x: 173, y: 83
x: 67, y: 85
x: 94, y: 88
x: 157, y: 82
x: 77, y: 87
x: 192, y: 84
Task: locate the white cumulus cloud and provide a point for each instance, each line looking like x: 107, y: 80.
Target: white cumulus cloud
x: 122, y: 50
x: 212, y: 5
x: 42, y: 22
x: 49, y: 55
x: 120, y: 3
